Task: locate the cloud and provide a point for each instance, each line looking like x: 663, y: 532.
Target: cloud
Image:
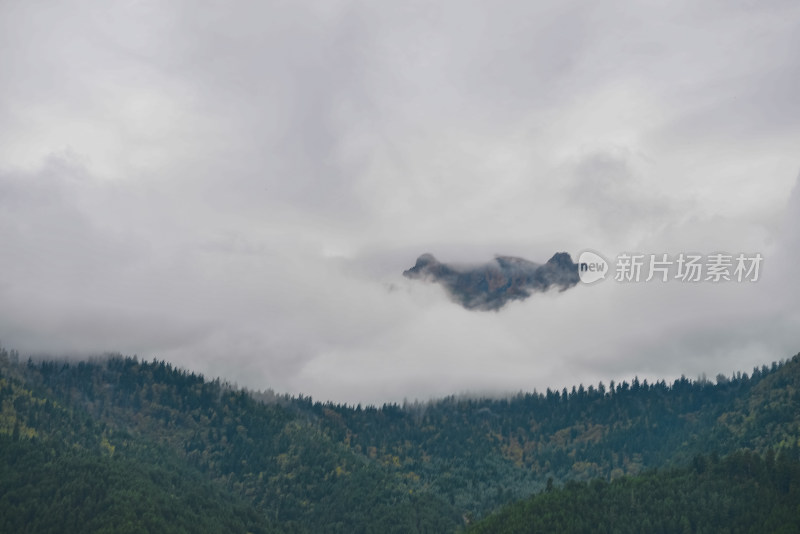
x: 240, y: 190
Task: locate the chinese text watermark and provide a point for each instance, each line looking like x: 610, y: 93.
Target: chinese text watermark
x: 663, y: 267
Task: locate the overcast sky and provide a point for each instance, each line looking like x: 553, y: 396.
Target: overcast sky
x: 237, y: 187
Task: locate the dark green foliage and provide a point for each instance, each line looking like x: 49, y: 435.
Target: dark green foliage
x: 742, y: 493
x: 270, y: 456
x: 49, y: 489
x: 304, y: 466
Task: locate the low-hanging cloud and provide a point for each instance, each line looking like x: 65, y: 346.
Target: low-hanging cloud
x: 234, y: 190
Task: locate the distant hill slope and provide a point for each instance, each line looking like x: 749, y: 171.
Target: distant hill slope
x: 127, y: 426
x: 305, y: 466
x: 47, y: 487
x: 741, y: 493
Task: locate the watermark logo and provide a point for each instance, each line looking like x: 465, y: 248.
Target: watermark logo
x: 683, y: 267
x: 591, y: 267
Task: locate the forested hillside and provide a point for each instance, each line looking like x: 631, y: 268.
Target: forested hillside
x: 740, y: 493
x: 135, y: 437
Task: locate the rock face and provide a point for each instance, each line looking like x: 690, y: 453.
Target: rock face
x: 492, y: 285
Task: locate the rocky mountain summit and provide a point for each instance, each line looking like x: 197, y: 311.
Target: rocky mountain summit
x: 491, y: 285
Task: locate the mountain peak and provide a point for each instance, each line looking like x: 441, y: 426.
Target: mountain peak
x: 491, y: 285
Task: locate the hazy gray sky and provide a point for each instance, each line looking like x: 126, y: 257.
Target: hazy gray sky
x: 237, y: 187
